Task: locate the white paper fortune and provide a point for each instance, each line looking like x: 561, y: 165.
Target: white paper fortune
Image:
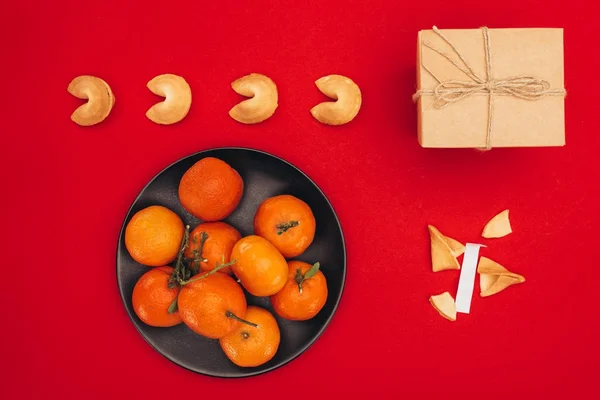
x: 466, y: 282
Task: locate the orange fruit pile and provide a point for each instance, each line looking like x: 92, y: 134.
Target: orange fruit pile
x: 200, y: 278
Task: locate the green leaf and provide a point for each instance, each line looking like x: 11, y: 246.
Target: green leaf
x: 173, y: 308
x: 312, y: 271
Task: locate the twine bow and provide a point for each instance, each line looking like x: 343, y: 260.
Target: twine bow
x: 452, y: 91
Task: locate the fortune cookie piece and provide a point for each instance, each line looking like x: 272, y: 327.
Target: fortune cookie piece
x: 456, y: 247
x: 486, y: 281
x: 263, y: 99
x: 498, y: 226
x: 444, y: 251
x: 494, y: 278
x: 348, y: 100
x: 178, y: 99
x: 100, y: 100
x: 444, y: 304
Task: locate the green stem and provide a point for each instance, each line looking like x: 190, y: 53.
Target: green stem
x: 179, y: 266
x: 283, y: 227
x: 198, y: 252
x: 299, y: 279
x: 173, y: 307
x: 229, y: 314
x: 215, y: 270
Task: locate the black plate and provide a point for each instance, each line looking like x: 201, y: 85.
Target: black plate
x: 264, y: 175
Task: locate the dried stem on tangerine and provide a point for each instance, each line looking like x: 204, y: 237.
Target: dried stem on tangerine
x: 179, y: 271
x: 229, y: 314
x: 197, y: 253
x: 284, y: 226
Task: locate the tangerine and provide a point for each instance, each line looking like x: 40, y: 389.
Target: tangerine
x: 304, y: 293
x: 287, y: 222
x: 212, y: 304
x: 211, y: 243
x: 251, y: 346
x: 153, y: 236
x: 259, y: 266
x: 210, y: 189
x: 152, y: 297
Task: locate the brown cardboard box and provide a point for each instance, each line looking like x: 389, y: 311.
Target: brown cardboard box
x: 522, y: 103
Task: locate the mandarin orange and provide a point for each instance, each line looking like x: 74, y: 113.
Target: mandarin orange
x: 212, y: 306
x: 251, y: 346
x: 210, y: 189
x: 153, y: 236
x: 259, y: 266
x: 304, y: 293
x: 211, y: 243
x: 152, y: 297
x: 287, y: 222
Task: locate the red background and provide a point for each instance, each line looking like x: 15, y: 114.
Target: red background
x: 66, y: 190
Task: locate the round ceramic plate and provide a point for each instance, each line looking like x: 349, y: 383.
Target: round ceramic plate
x: 264, y: 176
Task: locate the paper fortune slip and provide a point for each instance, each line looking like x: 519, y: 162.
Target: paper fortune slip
x: 485, y: 88
x: 466, y: 282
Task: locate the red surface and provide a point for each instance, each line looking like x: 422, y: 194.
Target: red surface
x: 66, y: 190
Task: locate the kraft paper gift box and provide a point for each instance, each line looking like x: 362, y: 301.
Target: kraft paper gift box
x: 486, y: 88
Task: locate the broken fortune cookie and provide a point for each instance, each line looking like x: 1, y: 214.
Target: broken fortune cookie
x: 494, y: 278
x: 444, y: 250
x: 445, y: 305
x: 498, y: 226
